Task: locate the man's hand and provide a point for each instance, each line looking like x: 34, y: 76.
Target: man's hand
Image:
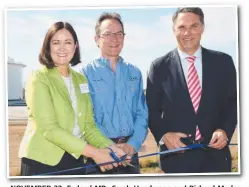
x: 127, y: 148
x: 117, y: 150
x: 219, y: 139
x: 172, y: 140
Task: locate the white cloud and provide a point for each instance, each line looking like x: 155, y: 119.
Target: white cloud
x: 220, y: 28
x: 85, y: 32
x: 143, y: 43
x: 149, y: 36
x: 88, y: 21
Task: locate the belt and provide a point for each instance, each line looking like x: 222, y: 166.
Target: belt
x: 118, y: 140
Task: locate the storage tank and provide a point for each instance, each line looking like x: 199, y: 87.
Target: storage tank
x: 15, y: 82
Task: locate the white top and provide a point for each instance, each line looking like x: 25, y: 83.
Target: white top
x: 185, y: 64
x: 197, y: 63
x: 69, y: 83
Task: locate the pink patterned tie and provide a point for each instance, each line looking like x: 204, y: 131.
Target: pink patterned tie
x: 194, y: 88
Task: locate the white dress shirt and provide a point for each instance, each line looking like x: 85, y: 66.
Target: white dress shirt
x: 185, y: 64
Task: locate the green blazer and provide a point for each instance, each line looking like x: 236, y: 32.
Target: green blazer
x: 51, y: 118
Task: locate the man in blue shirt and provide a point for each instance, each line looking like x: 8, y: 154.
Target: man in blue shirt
x: 116, y: 89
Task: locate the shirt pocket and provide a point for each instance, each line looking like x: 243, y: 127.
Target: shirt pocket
x: 98, y: 86
x: 133, y: 84
x: 132, y: 93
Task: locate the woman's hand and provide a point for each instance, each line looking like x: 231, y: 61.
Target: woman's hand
x: 118, y: 152
x: 103, y: 155
x: 99, y: 156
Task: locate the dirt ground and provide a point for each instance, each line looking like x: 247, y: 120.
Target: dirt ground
x: 17, y: 125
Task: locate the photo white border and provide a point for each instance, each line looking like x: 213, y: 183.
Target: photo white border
x: 239, y: 54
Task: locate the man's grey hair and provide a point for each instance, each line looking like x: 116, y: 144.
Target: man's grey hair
x: 107, y: 15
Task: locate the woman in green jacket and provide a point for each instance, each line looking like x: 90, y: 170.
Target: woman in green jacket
x: 61, y: 128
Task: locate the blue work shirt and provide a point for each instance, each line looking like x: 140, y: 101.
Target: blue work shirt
x: 118, y: 100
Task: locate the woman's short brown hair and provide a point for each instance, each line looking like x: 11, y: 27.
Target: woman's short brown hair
x: 45, y: 56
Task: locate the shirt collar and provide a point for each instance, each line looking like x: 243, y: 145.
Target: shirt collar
x: 197, y: 54
x: 105, y: 62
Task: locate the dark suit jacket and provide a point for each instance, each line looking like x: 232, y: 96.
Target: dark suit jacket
x: 171, y: 109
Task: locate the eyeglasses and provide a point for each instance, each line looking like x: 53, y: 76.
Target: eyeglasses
x: 109, y: 35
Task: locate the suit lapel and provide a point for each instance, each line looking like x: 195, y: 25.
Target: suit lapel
x: 180, y: 73
x: 205, y: 73
x: 183, y: 93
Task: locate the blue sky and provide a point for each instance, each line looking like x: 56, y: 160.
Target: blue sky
x: 148, y: 32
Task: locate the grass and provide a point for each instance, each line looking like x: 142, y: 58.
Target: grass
x: 235, y: 164
x: 149, y: 165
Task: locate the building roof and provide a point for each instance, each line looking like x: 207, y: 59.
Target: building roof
x: 12, y: 62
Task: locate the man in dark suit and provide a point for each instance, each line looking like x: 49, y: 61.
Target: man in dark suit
x: 191, y: 92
